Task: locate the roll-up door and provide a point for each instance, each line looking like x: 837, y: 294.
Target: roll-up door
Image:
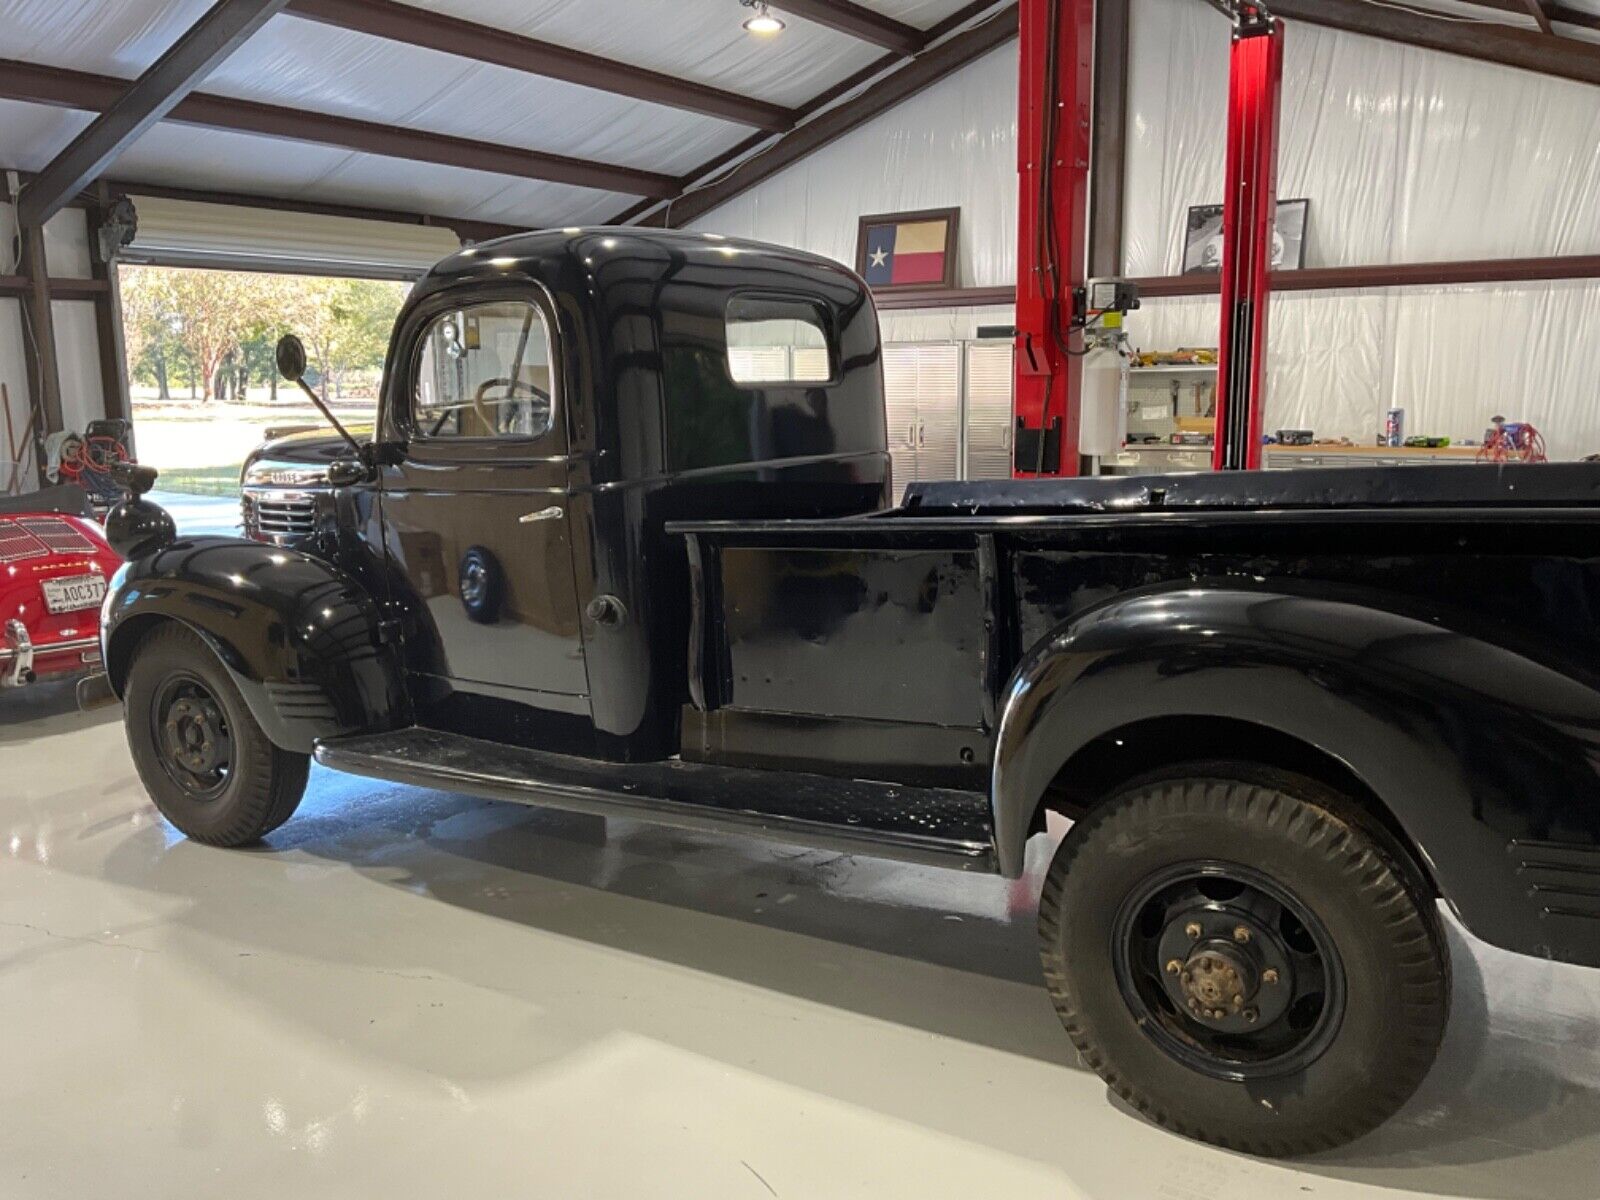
x: 234, y: 237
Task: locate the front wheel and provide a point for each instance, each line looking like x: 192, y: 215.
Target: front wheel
x: 1245, y: 959
x: 205, y: 761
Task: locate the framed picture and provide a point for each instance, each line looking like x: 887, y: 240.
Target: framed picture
x: 908, y: 249
x: 1202, y: 238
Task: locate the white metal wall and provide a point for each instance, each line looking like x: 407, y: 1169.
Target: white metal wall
x: 77, y: 340
x: 1407, y: 156
x: 951, y: 145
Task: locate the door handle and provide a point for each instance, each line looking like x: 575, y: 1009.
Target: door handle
x: 553, y: 513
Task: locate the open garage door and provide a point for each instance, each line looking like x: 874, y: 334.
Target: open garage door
x: 191, y: 233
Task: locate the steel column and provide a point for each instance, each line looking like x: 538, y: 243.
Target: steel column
x: 1255, y: 89
x: 1053, y: 136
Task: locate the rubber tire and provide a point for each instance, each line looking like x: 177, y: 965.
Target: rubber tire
x: 267, y: 782
x: 1341, y: 866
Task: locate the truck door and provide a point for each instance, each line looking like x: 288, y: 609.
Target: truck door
x: 476, y: 509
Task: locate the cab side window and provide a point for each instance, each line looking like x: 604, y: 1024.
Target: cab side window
x: 484, y: 372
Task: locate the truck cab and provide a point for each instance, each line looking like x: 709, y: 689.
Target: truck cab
x: 549, y: 404
x: 619, y: 544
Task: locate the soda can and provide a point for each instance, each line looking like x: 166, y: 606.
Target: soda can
x: 1394, y: 427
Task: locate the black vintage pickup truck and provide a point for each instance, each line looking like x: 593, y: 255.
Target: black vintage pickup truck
x: 620, y: 544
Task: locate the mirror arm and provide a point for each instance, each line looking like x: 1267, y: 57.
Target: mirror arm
x: 332, y: 420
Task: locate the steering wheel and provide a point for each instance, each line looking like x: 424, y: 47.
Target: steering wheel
x: 512, y: 386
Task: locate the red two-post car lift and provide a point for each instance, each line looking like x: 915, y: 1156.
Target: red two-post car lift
x: 1053, y: 144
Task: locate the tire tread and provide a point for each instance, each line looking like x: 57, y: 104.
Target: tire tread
x: 1320, y: 820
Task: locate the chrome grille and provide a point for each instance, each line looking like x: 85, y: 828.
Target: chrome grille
x: 279, y: 516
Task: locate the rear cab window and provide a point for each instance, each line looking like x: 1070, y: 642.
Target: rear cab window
x: 778, y: 340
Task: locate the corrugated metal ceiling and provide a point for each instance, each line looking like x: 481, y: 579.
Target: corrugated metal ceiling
x: 299, y: 64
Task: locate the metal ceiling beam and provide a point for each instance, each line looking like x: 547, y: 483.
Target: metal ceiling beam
x: 690, y: 202
x: 149, y: 98
x: 81, y: 90
x: 857, y: 21
x: 1503, y: 45
x: 1559, y: 14
x: 483, y: 43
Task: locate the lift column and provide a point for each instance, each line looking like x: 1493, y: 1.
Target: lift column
x: 1053, y: 135
x: 1250, y: 209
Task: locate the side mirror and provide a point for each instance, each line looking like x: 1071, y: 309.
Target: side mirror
x: 291, y: 355
x: 133, y: 478
x: 346, y: 472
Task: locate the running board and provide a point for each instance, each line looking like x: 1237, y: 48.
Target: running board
x: 937, y: 826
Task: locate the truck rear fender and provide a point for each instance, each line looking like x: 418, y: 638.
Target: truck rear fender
x: 1473, y: 749
x: 302, y: 639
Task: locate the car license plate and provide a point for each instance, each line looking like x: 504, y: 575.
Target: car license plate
x: 70, y: 595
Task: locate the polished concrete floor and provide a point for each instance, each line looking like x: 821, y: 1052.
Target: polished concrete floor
x: 409, y: 993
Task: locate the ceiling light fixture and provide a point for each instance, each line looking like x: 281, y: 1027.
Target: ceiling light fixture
x: 763, y: 22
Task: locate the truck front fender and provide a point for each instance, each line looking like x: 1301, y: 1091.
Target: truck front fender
x: 300, y: 638
x: 1485, y: 757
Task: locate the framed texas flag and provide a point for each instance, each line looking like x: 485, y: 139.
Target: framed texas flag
x: 910, y: 249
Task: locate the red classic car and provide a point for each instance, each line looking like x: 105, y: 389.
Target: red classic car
x: 54, y: 565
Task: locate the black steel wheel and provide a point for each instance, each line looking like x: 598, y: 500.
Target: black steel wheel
x: 1228, y: 971
x: 1246, y: 958
x: 192, y: 731
x: 201, y: 755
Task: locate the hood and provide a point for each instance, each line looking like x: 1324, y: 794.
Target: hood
x: 290, y: 456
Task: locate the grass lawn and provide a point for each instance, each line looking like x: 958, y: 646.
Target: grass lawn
x: 199, y: 448
x: 201, y: 481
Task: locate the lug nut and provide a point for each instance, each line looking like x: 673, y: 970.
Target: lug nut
x: 1251, y: 1015
x: 1193, y: 930
x: 1174, y: 967
x: 1241, y: 934
x: 1270, y: 975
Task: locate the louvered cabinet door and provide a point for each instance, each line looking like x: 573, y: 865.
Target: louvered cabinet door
x: 989, y: 391
x: 939, y: 411
x: 901, y: 370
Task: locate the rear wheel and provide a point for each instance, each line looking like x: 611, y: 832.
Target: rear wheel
x: 1245, y: 959
x: 205, y: 761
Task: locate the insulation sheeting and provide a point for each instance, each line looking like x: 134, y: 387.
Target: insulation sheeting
x: 700, y: 41
x: 302, y: 64
x: 299, y: 64
x: 1407, y: 155
x: 953, y: 145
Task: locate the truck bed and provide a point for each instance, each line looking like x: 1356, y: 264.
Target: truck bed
x: 909, y: 621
